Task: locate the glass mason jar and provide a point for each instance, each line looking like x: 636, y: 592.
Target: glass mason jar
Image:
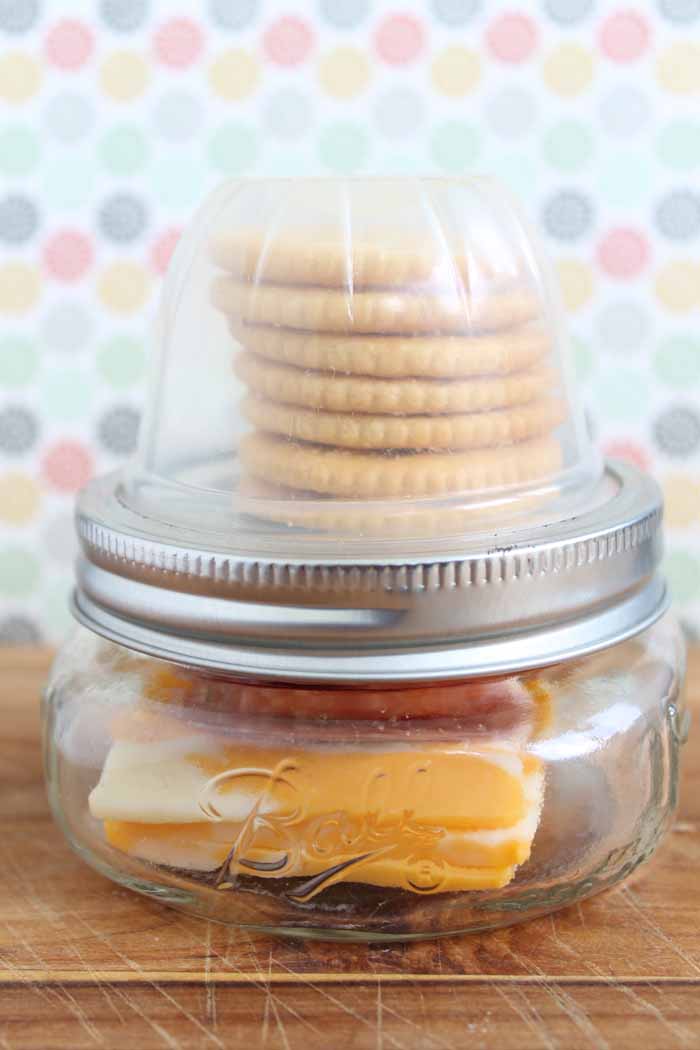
x: 374, y: 640
x: 391, y: 812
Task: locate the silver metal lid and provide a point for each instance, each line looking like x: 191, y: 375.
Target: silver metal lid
x: 524, y: 599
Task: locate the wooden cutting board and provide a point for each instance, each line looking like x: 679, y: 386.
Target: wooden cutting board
x: 86, y: 964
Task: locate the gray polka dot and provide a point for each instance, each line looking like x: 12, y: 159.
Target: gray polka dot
x: 18, y: 430
x: 678, y: 215
x: 677, y: 431
x: 18, y: 219
x: 625, y: 111
x: 399, y: 112
x: 344, y: 14
x: 455, y: 12
x: 118, y: 430
x: 69, y: 117
x: 67, y: 327
x: 233, y: 14
x: 18, y: 630
x: 59, y: 540
x: 124, y: 15
x: 511, y: 112
x: 567, y: 12
x: 122, y: 218
x: 287, y: 113
x: 178, y: 116
x: 622, y: 327
x: 17, y: 16
x: 682, y: 11
x: 567, y: 215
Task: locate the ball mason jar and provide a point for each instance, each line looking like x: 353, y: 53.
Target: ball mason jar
x: 373, y: 643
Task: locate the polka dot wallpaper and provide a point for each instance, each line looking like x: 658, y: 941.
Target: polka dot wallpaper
x: 117, y: 116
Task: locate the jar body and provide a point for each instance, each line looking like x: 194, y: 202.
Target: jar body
x: 380, y: 813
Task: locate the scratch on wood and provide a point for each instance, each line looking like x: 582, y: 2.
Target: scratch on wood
x: 341, y: 1005
x: 136, y: 968
x: 266, y: 987
x: 628, y: 895
x: 210, y: 989
x: 679, y: 1031
x: 380, y: 1022
x: 566, y: 1003
x: 60, y: 992
x: 527, y: 1014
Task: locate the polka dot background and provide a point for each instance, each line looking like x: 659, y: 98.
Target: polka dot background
x: 118, y: 116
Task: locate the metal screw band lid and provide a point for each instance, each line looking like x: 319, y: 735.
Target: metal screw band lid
x: 520, y: 600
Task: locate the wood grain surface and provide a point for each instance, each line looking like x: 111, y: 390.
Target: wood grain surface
x: 84, y: 963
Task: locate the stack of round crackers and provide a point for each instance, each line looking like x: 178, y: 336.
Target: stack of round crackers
x: 384, y: 372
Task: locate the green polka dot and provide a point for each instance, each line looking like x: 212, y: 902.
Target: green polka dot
x: 584, y: 360
x: 121, y: 361
x: 624, y: 178
x: 19, y: 151
x: 683, y: 575
x: 178, y: 184
x: 69, y: 181
x: 18, y: 361
x: 678, y: 145
x: 621, y: 395
x: 344, y: 147
x: 454, y: 146
x: 568, y: 145
x: 677, y: 361
x: 19, y: 572
x: 233, y: 149
x: 66, y: 394
x: 123, y: 150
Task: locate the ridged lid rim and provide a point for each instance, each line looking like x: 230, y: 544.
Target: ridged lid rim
x: 560, y: 591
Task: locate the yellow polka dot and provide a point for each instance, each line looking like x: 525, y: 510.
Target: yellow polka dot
x: 20, y: 77
x: 678, y: 68
x: 576, y: 282
x: 343, y: 72
x: 682, y: 499
x: 19, y: 287
x: 124, y: 287
x: 568, y: 70
x: 124, y: 75
x: 235, y: 74
x: 456, y: 71
x: 19, y: 498
x: 678, y: 285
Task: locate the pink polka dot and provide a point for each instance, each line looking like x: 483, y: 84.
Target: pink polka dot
x: 69, y: 44
x: 67, y: 465
x: 178, y: 43
x: 399, y: 39
x: 162, y: 250
x: 68, y: 255
x: 288, y: 41
x: 512, y: 37
x: 624, y: 36
x: 623, y: 253
x: 629, y: 451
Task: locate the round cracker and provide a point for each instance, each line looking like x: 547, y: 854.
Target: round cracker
x: 373, y: 475
x: 374, y: 312
x: 359, y: 431
x: 321, y: 258
x: 395, y: 356
x: 400, y: 397
x: 312, y: 510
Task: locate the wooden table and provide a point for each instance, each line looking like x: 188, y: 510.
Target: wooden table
x: 86, y: 964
